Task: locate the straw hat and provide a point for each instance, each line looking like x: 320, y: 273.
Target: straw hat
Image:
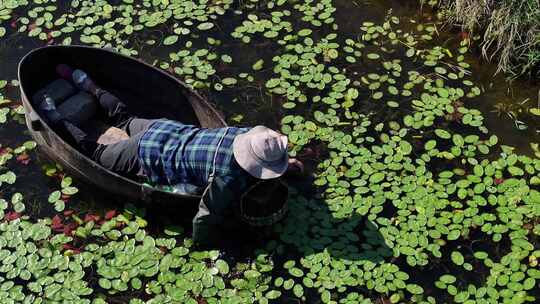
x: 262, y: 152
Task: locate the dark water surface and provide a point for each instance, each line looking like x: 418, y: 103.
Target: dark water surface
x: 349, y: 16
x: 249, y: 99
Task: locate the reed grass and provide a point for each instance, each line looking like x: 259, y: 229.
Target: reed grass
x: 509, y: 30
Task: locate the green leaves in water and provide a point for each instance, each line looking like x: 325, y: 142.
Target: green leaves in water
x: 8, y: 177
x: 258, y: 65
x: 205, y: 26
x: 403, y: 166
x: 170, y: 40
x: 535, y: 111
x: 229, y: 81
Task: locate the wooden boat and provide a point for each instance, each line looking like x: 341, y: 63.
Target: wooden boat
x: 146, y: 90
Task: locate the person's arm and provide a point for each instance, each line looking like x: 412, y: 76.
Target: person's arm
x: 214, y: 209
x: 295, y: 165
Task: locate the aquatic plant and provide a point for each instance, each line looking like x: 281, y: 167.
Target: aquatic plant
x: 508, y: 30
x: 412, y: 200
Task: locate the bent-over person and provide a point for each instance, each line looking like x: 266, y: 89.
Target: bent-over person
x: 222, y: 164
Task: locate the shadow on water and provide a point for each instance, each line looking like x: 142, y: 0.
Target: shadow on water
x: 311, y: 227
x: 265, y: 109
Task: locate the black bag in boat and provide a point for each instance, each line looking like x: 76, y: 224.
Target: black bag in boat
x: 77, y: 107
x: 59, y: 90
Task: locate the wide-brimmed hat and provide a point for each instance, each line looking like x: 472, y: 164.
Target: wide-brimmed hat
x: 262, y: 152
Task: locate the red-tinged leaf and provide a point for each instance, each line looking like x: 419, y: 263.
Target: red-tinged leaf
x: 12, y: 215
x: 50, y: 41
x: 68, y: 228
x: 13, y: 24
x: 91, y: 218
x: 65, y: 197
x: 5, y: 150
x: 201, y: 300
x: 56, y: 224
x: 58, y: 227
x: 68, y: 212
x: 110, y: 214
x: 32, y: 26
x: 498, y: 181
x: 73, y: 249
x: 56, y: 220
x: 23, y: 159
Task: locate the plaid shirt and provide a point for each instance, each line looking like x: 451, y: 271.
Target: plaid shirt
x: 172, y: 153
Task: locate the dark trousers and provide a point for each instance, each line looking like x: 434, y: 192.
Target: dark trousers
x: 121, y: 157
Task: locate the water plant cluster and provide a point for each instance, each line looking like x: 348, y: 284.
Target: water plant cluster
x: 412, y: 198
x: 507, y: 31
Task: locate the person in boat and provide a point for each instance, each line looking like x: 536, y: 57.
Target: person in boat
x: 222, y: 164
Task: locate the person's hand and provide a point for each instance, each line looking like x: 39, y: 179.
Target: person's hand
x: 295, y: 166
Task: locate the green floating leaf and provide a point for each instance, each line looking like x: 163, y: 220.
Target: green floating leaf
x: 59, y: 205
x: 258, y: 65
x: 326, y: 296
x: 289, y: 284
x: 457, y: 258
x: 454, y: 235
x: 443, y: 134
x: 377, y: 95
x: 222, y: 266
x: 53, y: 197
x: 289, y: 105
x: 273, y: 294
x: 304, y: 32
x: 430, y: 145
x: 205, y: 26
x: 392, y: 104
x: 226, y: 58
x: 66, y: 182
x: 535, y: 111
x: 70, y: 190
x: 515, y: 171
x: 377, y: 177
x: 173, y: 230
x: 252, y: 274
x: 229, y: 81
x: 298, y: 290
x: 297, y: 272
x: 272, y: 83
x: 415, y: 289
x: 170, y: 40
x: 8, y: 177
x: 448, y: 279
